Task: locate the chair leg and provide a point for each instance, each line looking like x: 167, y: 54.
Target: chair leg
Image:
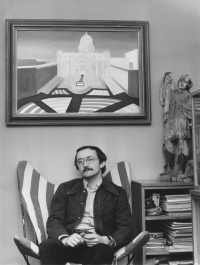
x: 26, y: 259
x: 130, y: 258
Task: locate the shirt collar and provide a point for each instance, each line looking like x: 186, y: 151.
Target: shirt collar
x: 78, y: 184
x: 86, y: 184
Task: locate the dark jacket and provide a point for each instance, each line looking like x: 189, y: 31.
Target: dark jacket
x: 112, y: 214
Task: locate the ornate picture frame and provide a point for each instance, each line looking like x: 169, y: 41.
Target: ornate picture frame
x: 77, y: 72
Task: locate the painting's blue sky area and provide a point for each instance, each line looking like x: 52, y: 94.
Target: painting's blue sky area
x: 43, y: 45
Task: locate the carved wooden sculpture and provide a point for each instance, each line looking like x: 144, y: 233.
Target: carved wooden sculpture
x: 176, y: 101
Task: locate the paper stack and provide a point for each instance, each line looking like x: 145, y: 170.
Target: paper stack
x: 179, y: 236
x: 156, y: 241
x: 173, y: 205
x: 181, y: 262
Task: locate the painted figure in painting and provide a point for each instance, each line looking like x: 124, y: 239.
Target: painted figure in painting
x: 177, y: 117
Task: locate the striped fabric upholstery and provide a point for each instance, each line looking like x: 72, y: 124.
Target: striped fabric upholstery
x: 35, y: 194
x: 133, y: 247
x: 120, y: 174
x: 26, y: 247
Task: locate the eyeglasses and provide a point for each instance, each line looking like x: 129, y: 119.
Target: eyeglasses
x: 88, y: 160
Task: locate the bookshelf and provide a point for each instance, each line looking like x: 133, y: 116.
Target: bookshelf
x: 196, y: 223
x: 142, y: 190
x: 196, y: 158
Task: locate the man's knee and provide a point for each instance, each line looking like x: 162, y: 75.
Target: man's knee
x: 104, y: 253
x: 100, y: 254
x: 102, y: 247
x: 50, y: 245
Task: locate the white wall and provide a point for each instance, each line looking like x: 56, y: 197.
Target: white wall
x: 174, y: 46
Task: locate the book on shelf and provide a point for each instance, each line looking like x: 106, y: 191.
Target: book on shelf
x: 175, y: 236
x: 176, y: 197
x: 178, y: 234
x: 157, y: 240
x: 156, y: 234
x: 180, y: 262
x: 178, y: 230
x: 183, y: 245
x: 173, y: 210
x: 155, y: 246
x: 170, y: 240
x: 176, y: 204
x: 175, y: 249
x: 176, y: 224
x: 178, y: 213
x: 181, y: 225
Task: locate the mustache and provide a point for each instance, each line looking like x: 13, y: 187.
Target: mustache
x: 87, y: 169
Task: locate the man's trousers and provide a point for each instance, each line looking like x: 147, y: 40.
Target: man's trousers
x: 54, y: 252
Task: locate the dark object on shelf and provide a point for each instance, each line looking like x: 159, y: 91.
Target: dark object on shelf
x: 149, y: 203
x: 80, y: 82
x: 165, y: 177
x: 154, y: 211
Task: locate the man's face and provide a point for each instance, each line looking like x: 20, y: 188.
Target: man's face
x: 91, y: 168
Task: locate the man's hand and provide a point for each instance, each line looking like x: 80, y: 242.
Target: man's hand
x: 73, y: 241
x: 93, y: 239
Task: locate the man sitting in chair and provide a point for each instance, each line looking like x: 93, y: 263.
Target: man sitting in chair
x: 90, y: 218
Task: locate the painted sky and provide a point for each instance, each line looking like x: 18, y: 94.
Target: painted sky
x: 43, y: 45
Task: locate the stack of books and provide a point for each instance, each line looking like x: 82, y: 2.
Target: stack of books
x: 179, y: 236
x: 173, y: 205
x: 181, y: 262
x: 156, y: 241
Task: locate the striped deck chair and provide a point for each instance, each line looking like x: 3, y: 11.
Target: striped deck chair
x: 35, y: 196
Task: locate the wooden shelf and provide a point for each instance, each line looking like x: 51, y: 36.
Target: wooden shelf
x: 162, y: 184
x: 141, y: 190
x: 196, y: 222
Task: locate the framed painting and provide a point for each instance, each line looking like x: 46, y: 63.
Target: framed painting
x: 76, y: 72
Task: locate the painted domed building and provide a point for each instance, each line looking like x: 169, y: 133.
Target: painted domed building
x: 86, y: 44
x: 86, y: 61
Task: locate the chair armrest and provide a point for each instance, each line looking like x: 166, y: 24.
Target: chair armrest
x: 26, y: 247
x: 134, y: 246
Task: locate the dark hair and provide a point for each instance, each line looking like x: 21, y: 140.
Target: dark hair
x: 101, y: 156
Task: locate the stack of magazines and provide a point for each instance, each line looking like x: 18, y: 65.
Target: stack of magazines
x: 181, y: 262
x: 173, y: 205
x: 179, y: 236
x: 156, y: 241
